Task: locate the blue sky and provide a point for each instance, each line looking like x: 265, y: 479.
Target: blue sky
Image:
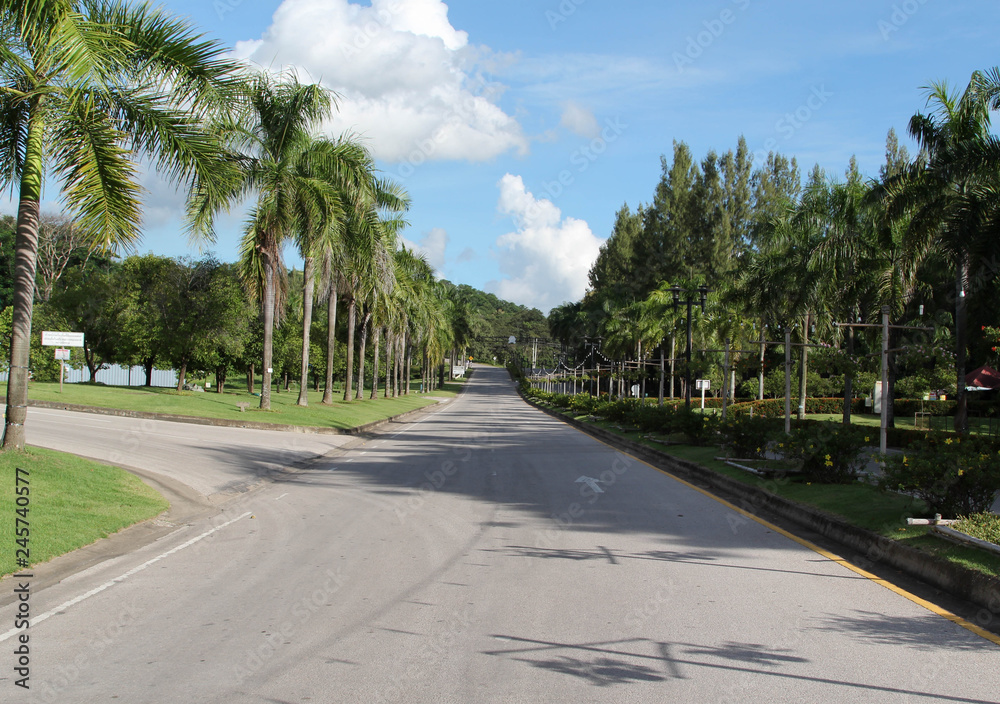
x: 519, y: 128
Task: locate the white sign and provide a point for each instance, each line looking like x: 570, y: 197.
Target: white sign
x: 62, y: 353
x: 703, y: 384
x: 62, y: 339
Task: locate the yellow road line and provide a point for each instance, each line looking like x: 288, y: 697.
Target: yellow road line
x: 933, y: 608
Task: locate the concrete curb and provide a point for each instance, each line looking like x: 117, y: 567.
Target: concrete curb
x: 223, y: 422
x: 980, y: 589
x: 957, y: 536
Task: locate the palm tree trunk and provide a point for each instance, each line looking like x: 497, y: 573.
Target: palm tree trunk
x: 349, y: 376
x: 378, y: 339
x: 25, y: 258
x: 268, y: 303
x: 409, y: 362
x: 389, y: 343
x: 365, y: 320
x: 763, y: 349
x: 961, y: 314
x: 662, y: 374
x: 673, y: 353
x: 331, y: 342
x: 307, y: 311
x: 849, y: 375
x: 803, y: 368
x: 397, y: 387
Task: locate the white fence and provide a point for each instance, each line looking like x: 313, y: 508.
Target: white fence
x: 117, y: 375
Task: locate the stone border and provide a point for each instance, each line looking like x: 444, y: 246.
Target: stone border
x: 224, y: 422
x: 976, y: 587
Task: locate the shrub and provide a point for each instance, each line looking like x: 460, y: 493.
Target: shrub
x: 746, y: 437
x: 775, y: 407
x: 954, y: 475
x: 830, y: 452
x: 698, y: 427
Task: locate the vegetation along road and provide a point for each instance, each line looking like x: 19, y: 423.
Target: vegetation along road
x: 486, y: 552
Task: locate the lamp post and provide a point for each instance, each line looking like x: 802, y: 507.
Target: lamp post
x: 591, y: 342
x: 689, y: 301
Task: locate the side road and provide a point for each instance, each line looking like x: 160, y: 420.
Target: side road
x: 199, y: 468
x: 865, y: 549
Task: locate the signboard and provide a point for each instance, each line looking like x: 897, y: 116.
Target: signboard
x: 52, y: 338
x: 62, y: 353
x: 703, y: 384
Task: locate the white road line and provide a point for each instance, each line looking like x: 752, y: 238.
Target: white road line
x: 110, y: 583
x: 282, y: 496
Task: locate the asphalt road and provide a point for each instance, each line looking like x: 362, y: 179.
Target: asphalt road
x: 486, y: 553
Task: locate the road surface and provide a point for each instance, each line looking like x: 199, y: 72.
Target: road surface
x: 487, y: 553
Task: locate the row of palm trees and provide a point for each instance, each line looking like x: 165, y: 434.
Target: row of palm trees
x: 91, y: 91
x: 843, y: 250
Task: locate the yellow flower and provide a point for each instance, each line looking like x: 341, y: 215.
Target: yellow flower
x: 948, y: 441
x: 828, y: 456
x: 906, y: 460
x: 867, y: 439
x: 961, y: 472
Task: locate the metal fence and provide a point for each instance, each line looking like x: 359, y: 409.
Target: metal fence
x: 117, y: 375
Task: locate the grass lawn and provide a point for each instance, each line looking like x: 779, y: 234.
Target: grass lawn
x: 860, y: 504
x: 209, y: 404
x: 943, y: 423
x: 72, y: 503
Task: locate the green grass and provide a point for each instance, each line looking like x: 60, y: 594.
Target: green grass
x: 72, y: 503
x: 943, y: 423
x: 210, y: 404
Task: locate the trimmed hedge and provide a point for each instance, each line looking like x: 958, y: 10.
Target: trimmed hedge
x: 772, y: 407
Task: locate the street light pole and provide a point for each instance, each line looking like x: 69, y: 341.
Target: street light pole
x: 677, y: 291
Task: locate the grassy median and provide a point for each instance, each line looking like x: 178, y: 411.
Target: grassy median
x: 69, y: 502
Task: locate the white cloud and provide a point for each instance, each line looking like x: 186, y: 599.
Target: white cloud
x: 408, y: 80
x: 580, y: 121
x: 546, y: 259
x: 433, y: 246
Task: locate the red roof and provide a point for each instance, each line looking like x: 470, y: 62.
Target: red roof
x: 984, y: 377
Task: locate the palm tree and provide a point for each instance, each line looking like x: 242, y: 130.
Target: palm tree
x: 950, y: 193
x: 350, y: 186
x: 295, y: 177
x: 86, y: 91
x: 369, y: 267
